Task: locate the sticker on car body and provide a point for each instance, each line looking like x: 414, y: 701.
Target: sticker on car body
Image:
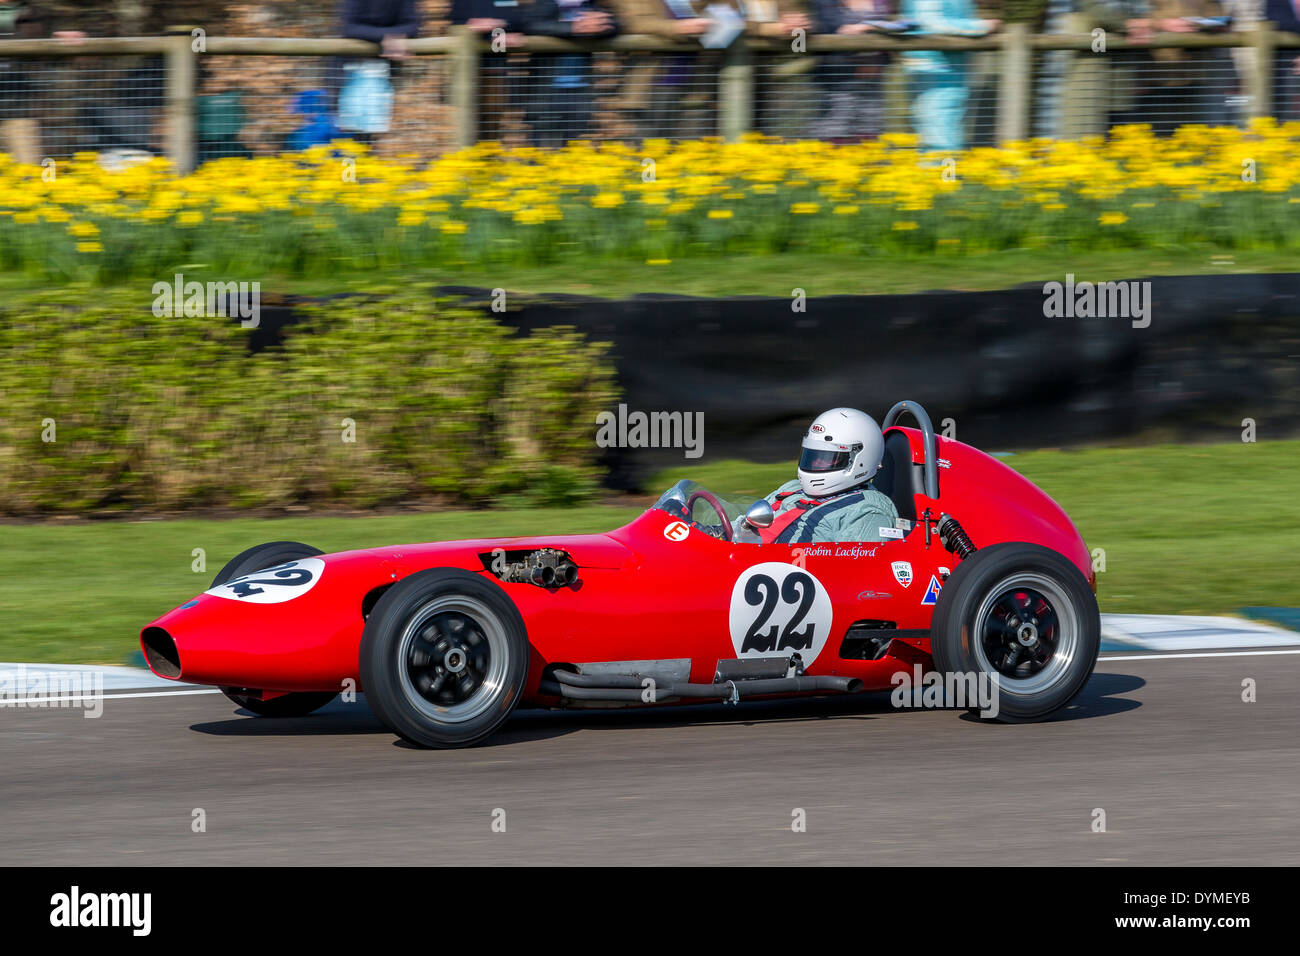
x: 932, y: 591
x: 677, y: 531
x: 777, y: 610
x: 284, y: 582
x: 902, y: 572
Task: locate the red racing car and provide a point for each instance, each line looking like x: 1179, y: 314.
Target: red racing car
x: 983, y: 575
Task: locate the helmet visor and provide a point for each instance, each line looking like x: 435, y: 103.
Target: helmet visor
x: 816, y: 460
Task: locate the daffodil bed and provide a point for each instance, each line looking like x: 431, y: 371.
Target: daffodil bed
x: 337, y: 210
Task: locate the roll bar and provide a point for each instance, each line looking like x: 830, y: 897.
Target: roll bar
x: 931, y: 463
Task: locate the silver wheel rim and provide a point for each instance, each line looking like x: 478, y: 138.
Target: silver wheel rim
x: 478, y: 652
x: 1046, y: 638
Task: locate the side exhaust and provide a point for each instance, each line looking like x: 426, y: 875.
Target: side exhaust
x: 628, y: 688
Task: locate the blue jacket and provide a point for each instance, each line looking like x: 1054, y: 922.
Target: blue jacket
x: 946, y: 18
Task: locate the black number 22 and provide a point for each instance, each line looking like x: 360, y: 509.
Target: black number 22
x: 286, y: 575
x: 761, y: 591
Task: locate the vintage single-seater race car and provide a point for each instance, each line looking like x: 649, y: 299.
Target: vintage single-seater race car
x: 696, y: 600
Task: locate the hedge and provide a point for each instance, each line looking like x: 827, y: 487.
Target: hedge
x: 366, y: 402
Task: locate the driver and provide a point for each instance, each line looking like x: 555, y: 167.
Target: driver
x: 832, y: 500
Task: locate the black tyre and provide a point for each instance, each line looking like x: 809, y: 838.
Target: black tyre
x: 259, y: 558
x: 263, y: 556
x: 1024, y: 614
x: 444, y: 656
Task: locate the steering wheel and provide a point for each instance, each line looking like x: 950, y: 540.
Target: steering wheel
x: 724, y: 530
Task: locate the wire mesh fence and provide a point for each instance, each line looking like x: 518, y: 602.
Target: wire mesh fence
x: 261, y: 97
x: 82, y: 104
x: 1078, y: 95
x: 248, y: 106
x: 547, y: 100
x: 849, y: 97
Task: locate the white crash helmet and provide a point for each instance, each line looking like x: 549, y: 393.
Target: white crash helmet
x: 842, y: 449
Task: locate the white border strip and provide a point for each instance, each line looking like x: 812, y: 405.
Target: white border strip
x: 215, y: 690
x: 1165, y: 657
x: 6, y: 702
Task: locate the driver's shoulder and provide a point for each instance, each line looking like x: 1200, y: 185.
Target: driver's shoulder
x: 877, y: 500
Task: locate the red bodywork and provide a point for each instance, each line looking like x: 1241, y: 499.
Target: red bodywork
x: 640, y: 596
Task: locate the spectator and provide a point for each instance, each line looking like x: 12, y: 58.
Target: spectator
x: 774, y: 18
x: 497, y: 87
x: 19, y: 133
x: 940, y: 77
x: 675, y: 94
x: 850, y: 83
x: 562, y: 85
x: 1183, y: 90
x: 1285, y: 17
x: 785, y: 99
x: 317, y: 128
x: 390, y: 23
x: 119, y: 111
x: 365, y: 102
x: 1079, y: 94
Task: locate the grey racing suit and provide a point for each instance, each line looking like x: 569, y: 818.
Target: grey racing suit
x: 858, y: 514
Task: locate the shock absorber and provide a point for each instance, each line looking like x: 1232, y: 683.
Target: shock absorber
x: 954, y: 538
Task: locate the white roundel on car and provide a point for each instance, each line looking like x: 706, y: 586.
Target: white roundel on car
x: 777, y: 610
x: 284, y: 582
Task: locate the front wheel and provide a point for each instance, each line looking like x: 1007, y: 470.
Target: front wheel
x: 260, y: 558
x: 444, y: 657
x: 1024, y: 615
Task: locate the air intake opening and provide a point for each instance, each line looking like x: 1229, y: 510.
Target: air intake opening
x: 160, y: 652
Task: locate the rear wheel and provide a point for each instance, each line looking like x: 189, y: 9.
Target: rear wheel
x: 444, y: 657
x: 259, y: 558
x: 1022, y: 614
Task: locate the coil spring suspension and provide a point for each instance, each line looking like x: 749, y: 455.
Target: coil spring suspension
x: 953, y: 537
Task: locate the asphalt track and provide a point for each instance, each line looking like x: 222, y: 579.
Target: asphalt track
x: 1187, y: 773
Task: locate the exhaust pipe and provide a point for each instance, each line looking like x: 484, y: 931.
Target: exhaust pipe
x: 628, y: 687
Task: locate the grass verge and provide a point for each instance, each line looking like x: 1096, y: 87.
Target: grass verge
x: 777, y: 275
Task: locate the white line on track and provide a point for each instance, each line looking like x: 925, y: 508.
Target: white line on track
x: 186, y: 693
x: 83, y: 697
x: 1164, y: 657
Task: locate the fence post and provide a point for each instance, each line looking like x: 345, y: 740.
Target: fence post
x: 180, y: 71
x: 464, y: 77
x: 1013, y: 84
x: 736, y: 91
x: 1085, y: 90
x: 897, y: 94
x: 1259, y: 81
